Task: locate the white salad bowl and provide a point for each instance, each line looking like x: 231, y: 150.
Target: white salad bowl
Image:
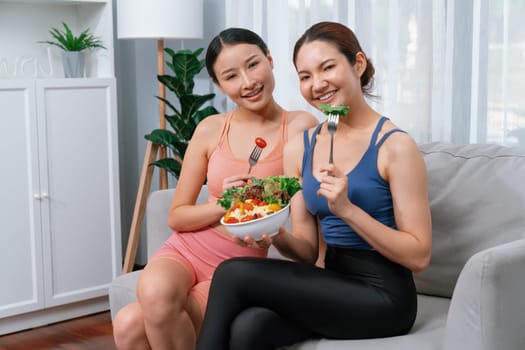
x: 256, y: 228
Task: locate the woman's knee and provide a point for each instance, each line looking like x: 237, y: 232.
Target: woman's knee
x: 128, y: 327
x: 246, y: 331
x: 251, y: 328
x: 235, y: 269
x: 160, y: 297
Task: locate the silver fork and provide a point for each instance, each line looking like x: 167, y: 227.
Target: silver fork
x: 254, y: 157
x: 332, y: 122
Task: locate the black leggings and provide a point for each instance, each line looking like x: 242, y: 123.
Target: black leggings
x: 267, y: 303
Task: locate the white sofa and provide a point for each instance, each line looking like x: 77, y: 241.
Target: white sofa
x: 472, y: 295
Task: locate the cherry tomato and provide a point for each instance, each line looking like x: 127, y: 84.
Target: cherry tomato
x: 259, y: 141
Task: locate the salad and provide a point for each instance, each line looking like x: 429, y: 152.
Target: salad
x: 259, y: 199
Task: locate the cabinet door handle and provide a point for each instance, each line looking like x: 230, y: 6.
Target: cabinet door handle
x: 41, y: 196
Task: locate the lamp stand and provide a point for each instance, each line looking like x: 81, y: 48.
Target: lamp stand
x: 146, y: 175
x: 140, y: 206
x: 163, y: 176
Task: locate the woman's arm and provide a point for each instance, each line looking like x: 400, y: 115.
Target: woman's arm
x: 184, y: 215
x: 302, y: 243
x: 407, y: 175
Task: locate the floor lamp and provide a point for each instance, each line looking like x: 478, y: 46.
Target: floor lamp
x: 155, y: 19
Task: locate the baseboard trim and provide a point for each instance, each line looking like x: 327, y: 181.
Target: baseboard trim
x: 52, y: 315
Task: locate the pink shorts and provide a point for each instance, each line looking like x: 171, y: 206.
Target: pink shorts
x: 200, y: 252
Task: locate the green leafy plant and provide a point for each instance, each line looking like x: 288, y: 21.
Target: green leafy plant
x: 67, y: 41
x: 185, y: 65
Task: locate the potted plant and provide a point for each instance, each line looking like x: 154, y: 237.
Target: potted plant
x: 185, y: 65
x: 73, y: 48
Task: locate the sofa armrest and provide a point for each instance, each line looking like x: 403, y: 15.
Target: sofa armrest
x: 487, y: 306
x: 122, y: 292
x: 157, y: 209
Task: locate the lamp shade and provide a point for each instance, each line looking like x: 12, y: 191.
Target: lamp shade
x: 160, y: 19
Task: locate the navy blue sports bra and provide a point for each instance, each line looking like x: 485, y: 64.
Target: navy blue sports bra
x: 366, y: 189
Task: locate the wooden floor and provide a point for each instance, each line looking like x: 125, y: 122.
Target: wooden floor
x: 93, y: 332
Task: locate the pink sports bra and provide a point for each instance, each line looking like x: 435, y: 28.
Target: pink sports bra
x: 223, y: 164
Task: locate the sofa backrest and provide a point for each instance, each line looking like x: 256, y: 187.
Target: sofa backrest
x: 477, y: 200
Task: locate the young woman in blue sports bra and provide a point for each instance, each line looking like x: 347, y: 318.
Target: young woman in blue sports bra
x: 370, y: 208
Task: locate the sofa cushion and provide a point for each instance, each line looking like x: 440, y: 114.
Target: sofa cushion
x: 477, y: 200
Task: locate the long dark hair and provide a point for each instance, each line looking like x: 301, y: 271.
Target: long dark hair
x: 346, y: 42
x: 230, y: 36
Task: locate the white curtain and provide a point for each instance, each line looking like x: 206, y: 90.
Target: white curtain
x: 445, y: 70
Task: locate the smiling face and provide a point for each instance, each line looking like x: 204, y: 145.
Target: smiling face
x: 244, y: 73
x: 326, y: 76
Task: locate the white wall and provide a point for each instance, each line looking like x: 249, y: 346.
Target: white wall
x: 138, y: 113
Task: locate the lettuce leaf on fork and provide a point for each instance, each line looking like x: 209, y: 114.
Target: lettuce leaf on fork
x: 340, y: 110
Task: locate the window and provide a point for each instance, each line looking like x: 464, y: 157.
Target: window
x: 445, y: 70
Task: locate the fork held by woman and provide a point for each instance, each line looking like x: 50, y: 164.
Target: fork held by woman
x: 254, y: 157
x: 260, y: 143
x: 333, y: 113
x: 332, y: 122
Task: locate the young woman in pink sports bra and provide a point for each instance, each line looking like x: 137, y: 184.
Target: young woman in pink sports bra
x: 173, y: 288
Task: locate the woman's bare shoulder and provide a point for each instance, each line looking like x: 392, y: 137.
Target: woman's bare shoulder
x: 207, y: 133
x: 400, y: 144
x: 296, y: 142
x: 294, y: 150
x: 211, y: 125
x: 301, y: 120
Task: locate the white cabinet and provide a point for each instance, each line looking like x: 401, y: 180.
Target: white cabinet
x: 60, y: 236
x: 59, y: 205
